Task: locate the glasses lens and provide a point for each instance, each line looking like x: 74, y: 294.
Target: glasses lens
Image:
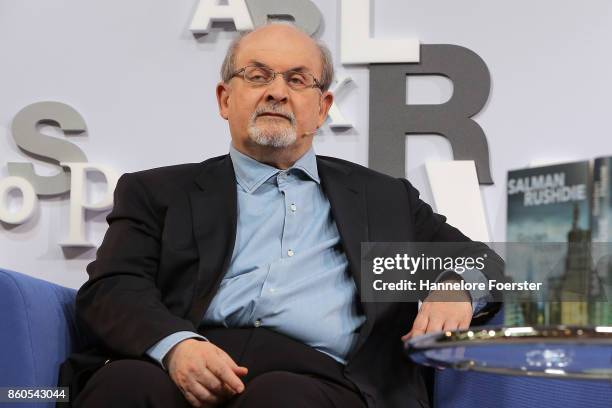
x: 258, y: 75
x: 299, y: 80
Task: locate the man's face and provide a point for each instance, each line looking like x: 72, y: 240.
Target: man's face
x: 274, y: 115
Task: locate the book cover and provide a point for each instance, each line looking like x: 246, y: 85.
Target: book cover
x: 601, y: 221
x: 548, y: 238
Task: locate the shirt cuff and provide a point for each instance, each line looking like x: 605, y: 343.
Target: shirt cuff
x: 159, y: 350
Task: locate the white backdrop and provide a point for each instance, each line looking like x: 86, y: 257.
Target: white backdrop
x: 145, y: 87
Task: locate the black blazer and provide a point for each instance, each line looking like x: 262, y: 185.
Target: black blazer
x: 169, y: 242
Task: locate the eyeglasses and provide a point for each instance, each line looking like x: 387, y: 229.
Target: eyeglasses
x: 260, y: 75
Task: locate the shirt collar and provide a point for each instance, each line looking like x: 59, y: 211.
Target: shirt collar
x: 251, y: 174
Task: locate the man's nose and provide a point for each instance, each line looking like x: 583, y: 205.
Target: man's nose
x: 277, y: 91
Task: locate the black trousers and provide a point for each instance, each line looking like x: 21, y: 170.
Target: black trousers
x: 283, y: 372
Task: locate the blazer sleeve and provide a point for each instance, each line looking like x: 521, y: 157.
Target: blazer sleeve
x: 432, y: 227
x: 429, y: 225
x: 119, y: 308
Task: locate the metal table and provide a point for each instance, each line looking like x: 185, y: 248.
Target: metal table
x: 555, y: 352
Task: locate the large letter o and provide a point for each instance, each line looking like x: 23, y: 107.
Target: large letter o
x: 28, y: 206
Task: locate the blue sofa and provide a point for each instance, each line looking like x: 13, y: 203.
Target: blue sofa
x: 38, y: 332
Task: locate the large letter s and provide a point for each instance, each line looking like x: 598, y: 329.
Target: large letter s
x: 47, y: 148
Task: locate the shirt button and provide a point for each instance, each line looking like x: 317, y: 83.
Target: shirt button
x: 272, y: 290
x: 290, y: 252
x: 293, y: 207
x: 257, y: 322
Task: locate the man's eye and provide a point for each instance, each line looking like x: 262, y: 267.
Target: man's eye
x: 258, y: 75
x: 297, y: 80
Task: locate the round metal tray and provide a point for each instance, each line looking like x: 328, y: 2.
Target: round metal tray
x: 555, y: 352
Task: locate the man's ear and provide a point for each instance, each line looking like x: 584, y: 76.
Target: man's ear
x: 327, y: 99
x: 223, y: 95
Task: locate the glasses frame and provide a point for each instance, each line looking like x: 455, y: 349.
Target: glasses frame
x: 241, y: 73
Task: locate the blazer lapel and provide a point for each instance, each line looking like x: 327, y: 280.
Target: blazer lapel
x: 214, y: 214
x: 347, y: 199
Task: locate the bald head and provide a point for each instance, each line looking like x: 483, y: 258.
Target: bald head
x: 278, y: 30
x: 277, y: 39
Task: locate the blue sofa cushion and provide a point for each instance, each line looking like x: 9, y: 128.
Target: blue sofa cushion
x: 37, y: 329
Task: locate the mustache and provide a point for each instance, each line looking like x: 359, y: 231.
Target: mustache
x: 273, y: 109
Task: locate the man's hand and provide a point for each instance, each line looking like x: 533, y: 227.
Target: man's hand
x: 205, y: 374
x: 436, y: 314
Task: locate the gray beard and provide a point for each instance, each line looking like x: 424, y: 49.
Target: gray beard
x: 278, y: 138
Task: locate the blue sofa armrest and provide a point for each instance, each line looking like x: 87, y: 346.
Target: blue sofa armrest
x: 37, y: 330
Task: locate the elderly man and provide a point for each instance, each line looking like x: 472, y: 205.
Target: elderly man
x: 234, y: 282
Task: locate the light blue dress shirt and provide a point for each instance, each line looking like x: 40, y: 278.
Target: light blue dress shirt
x: 288, y: 271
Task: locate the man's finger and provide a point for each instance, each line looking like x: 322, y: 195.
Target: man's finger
x: 191, y: 399
x: 224, y: 373
x: 421, y: 322
x: 239, y: 370
x: 418, y: 326
x: 465, y: 323
x: 209, y: 381
x: 434, y: 325
x: 450, y: 325
x: 203, y: 394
